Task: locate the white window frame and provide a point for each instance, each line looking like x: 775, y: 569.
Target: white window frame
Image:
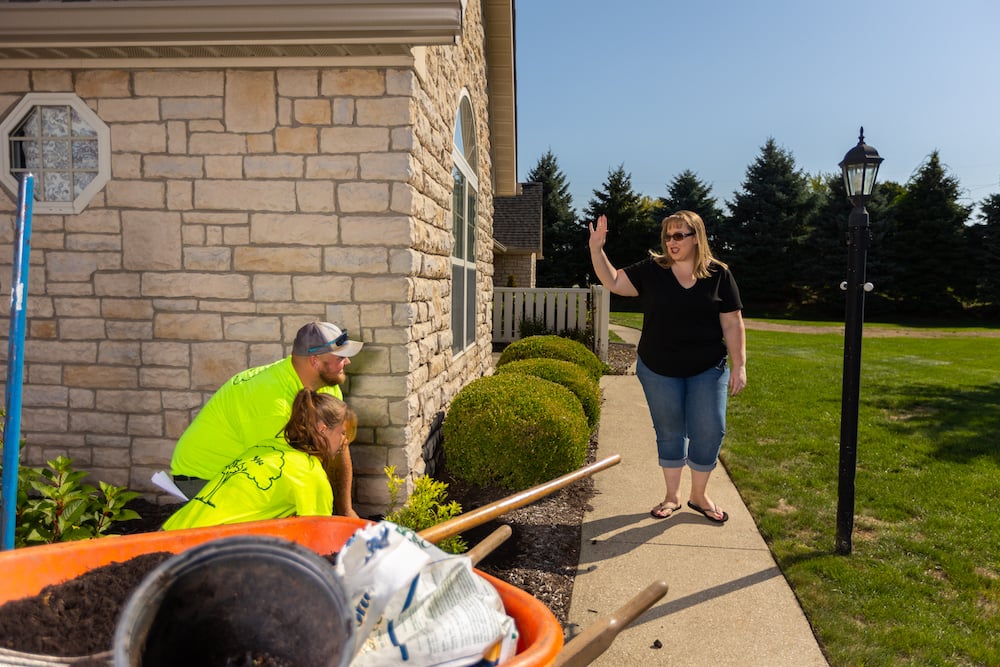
x: 14, y: 119
x: 464, y: 222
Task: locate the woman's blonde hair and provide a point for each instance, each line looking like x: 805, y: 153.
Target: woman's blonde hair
x: 687, y: 221
x: 308, y: 410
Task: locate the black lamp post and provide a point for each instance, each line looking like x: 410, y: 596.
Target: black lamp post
x: 860, y: 167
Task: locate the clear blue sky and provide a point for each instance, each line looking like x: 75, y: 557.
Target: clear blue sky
x: 660, y: 86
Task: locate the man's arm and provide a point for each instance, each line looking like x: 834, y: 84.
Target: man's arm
x: 342, y: 480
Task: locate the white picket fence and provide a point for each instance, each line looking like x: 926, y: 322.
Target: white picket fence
x: 560, y: 309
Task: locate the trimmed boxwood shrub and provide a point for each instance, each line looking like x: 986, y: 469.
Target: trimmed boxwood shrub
x: 569, y: 375
x: 514, y: 431
x: 553, y: 347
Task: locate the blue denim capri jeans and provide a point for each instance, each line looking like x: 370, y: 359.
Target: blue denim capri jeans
x: 689, y: 415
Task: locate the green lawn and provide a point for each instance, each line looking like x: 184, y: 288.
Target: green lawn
x: 922, y: 585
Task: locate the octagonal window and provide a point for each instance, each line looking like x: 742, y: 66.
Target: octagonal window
x: 56, y: 137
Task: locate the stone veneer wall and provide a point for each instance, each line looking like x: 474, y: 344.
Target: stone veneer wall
x: 243, y: 203
x: 520, y: 266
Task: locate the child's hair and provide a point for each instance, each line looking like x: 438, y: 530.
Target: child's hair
x: 309, y: 409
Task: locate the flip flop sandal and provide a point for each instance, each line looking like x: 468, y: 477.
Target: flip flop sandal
x: 705, y: 513
x: 657, y: 512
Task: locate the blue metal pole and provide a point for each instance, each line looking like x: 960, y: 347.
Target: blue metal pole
x: 15, y: 361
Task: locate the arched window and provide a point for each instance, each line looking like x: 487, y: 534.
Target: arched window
x: 463, y: 226
x: 63, y: 143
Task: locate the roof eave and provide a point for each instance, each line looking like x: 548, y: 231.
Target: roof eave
x: 152, y: 23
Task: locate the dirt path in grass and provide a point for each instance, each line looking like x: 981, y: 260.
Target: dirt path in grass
x: 870, y: 332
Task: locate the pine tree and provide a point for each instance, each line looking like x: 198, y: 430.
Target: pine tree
x: 688, y: 193
x: 984, y: 247
x: 825, y: 252
x: 769, y: 221
x: 631, y: 230
x: 926, y: 248
x: 563, y: 237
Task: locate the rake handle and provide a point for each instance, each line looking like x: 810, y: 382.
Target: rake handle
x: 481, y: 515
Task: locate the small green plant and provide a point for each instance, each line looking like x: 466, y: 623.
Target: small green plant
x: 554, y: 347
x: 53, y: 505
x: 425, y: 507
x: 514, y: 431
x: 569, y: 375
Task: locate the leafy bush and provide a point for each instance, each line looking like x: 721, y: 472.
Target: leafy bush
x: 425, y: 507
x: 53, y: 505
x: 514, y: 431
x: 569, y: 375
x: 554, y: 347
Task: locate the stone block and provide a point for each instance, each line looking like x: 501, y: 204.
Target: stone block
x: 126, y: 309
x: 272, y: 288
x: 164, y: 378
x: 273, y: 166
x: 363, y: 197
x: 245, y: 195
x: 172, y: 166
x: 334, y: 167
x: 322, y: 289
x: 139, y: 138
x: 98, y: 377
x: 191, y: 108
x: 103, y: 83
x: 171, y: 83
x: 196, y: 285
x: 129, y: 110
x: 315, y: 196
x: 293, y: 229
x: 298, y: 82
x: 312, y: 112
x: 337, y: 140
x: 300, y: 140
x: 346, y: 82
x: 118, y: 353
x: 278, y: 260
x: 151, y: 241
x: 136, y: 194
x: 212, y: 364
x: 187, y: 326
x: 250, y: 101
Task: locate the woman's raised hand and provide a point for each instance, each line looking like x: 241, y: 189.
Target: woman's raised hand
x: 598, y: 233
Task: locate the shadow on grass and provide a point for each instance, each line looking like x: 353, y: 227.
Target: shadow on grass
x: 964, y: 423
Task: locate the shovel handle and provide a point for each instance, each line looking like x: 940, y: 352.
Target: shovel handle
x: 479, y: 516
x: 595, y: 640
x: 488, y: 545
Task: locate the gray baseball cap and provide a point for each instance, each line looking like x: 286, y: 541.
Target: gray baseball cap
x: 323, y: 337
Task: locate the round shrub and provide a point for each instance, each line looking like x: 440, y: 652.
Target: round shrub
x: 514, y: 431
x: 553, y: 347
x: 569, y: 375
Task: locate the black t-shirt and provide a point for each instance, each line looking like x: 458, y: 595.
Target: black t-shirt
x: 681, y: 334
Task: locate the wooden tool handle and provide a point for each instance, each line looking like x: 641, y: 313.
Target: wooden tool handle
x: 595, y: 640
x: 478, y: 517
x: 486, y: 547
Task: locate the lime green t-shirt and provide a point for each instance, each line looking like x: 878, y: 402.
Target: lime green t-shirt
x: 269, y: 481
x: 251, y: 406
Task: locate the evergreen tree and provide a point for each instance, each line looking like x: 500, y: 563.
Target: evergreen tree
x: 563, y: 237
x: 765, y: 233
x: 825, y: 253
x: 825, y: 250
x: 631, y: 232
x: 688, y: 193
x: 926, y: 247
x: 984, y: 246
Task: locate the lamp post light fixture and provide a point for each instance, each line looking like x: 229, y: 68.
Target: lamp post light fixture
x: 860, y: 167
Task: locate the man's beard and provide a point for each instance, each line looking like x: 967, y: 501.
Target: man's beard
x: 332, y: 379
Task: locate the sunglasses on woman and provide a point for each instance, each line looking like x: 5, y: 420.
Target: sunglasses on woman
x: 679, y: 236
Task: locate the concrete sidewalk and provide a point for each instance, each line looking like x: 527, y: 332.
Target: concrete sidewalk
x: 728, y: 603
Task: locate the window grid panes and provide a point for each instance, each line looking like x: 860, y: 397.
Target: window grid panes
x: 59, y: 147
x: 464, y: 198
